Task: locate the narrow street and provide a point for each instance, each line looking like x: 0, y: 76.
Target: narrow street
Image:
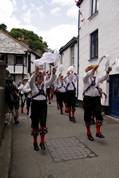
x: 69, y: 153
x: 78, y: 41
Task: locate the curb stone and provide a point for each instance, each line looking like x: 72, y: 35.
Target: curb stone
x: 5, y: 151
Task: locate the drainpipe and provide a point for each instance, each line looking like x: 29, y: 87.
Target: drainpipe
x: 78, y: 52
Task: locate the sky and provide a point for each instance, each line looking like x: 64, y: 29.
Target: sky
x: 54, y: 20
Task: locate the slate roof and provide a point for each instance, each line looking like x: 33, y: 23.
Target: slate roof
x: 10, y: 45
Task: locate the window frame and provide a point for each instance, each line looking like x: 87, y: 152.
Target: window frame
x: 94, y: 39
x: 19, y: 57
x: 94, y: 7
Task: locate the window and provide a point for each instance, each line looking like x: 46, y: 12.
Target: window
x: 94, y: 45
x: 72, y: 55
x: 4, y: 58
x: 94, y: 6
x: 19, y: 60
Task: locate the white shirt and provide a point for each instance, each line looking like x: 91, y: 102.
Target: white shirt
x: 27, y: 89
x: 87, y: 80
x: 61, y: 87
x: 35, y: 88
x: 20, y: 88
x: 71, y: 82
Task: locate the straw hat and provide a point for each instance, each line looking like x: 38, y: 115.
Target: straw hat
x: 90, y: 67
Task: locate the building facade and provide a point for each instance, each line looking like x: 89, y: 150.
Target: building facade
x: 69, y: 57
x: 68, y: 54
x: 98, y: 37
x: 17, y: 55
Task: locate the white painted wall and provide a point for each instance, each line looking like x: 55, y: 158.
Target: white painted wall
x: 32, y: 62
x: 10, y: 59
x: 18, y: 68
x: 11, y: 46
x: 107, y: 23
x: 75, y: 57
x: 66, y: 60
x: 66, y: 56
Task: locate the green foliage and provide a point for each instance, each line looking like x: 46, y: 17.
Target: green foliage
x: 3, y: 27
x: 29, y: 37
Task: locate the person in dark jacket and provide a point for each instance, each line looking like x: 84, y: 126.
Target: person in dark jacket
x: 12, y: 98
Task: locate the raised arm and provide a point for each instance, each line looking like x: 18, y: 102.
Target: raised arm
x: 90, y: 71
x: 52, y: 78
x: 105, y: 77
x: 32, y: 81
x: 26, y: 88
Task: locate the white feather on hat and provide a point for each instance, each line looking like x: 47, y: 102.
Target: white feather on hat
x: 70, y: 68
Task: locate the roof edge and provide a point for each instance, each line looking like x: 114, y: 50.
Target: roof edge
x: 68, y: 44
x: 21, y: 43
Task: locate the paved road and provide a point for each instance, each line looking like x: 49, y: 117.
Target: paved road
x: 69, y: 154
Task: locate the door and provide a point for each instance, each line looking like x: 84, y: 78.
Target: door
x: 114, y: 96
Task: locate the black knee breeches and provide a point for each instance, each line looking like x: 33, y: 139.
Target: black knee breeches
x: 92, y: 105
x: 38, y: 113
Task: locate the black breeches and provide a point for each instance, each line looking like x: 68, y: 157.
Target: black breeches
x: 13, y: 104
x: 71, y: 99
x: 61, y: 98
x: 56, y: 94
x: 48, y: 91
x: 23, y: 99
x: 28, y: 102
x: 92, y: 105
x: 38, y: 113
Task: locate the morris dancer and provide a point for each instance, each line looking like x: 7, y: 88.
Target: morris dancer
x: 91, y: 101
x: 23, y: 95
x: 48, y: 89
x: 71, y: 94
x: 60, y: 88
x: 27, y: 91
x: 39, y: 106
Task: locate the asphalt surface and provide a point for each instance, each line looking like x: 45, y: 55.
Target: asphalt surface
x: 69, y: 154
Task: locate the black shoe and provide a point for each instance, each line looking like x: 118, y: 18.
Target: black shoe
x: 99, y: 135
x: 90, y: 137
x: 36, y: 148
x: 42, y: 146
x: 61, y: 112
x: 16, y: 122
x: 72, y: 119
